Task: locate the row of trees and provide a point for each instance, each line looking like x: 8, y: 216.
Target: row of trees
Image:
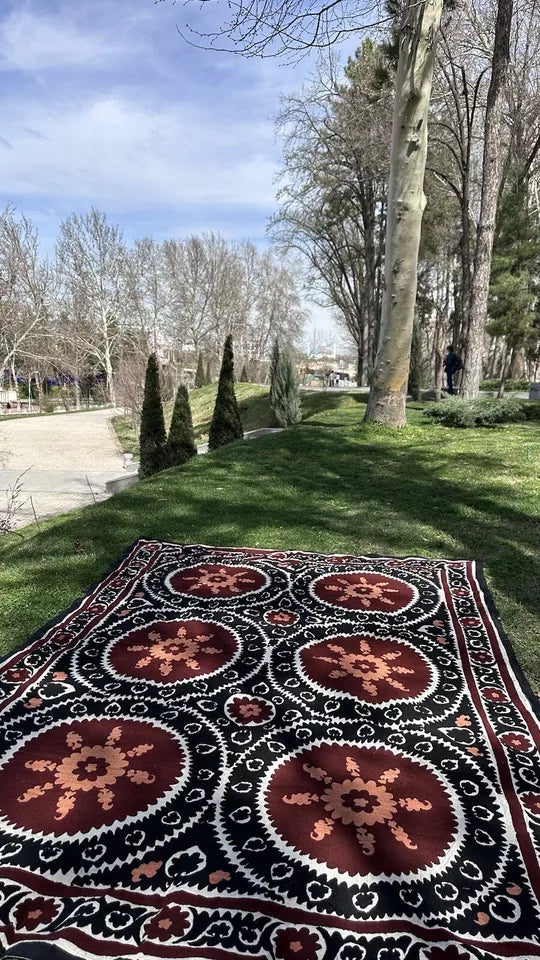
x: 159, y: 450
x: 98, y: 307
x: 481, y: 187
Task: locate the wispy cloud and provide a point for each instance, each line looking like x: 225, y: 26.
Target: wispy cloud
x: 36, y: 41
x: 113, y: 151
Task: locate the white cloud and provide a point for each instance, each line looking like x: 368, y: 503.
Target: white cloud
x: 113, y: 151
x: 32, y: 42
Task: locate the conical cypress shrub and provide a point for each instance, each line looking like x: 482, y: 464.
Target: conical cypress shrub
x: 208, y: 374
x: 226, y: 424
x: 244, y: 375
x: 285, y: 396
x: 153, y: 438
x: 181, y: 440
x: 199, y: 376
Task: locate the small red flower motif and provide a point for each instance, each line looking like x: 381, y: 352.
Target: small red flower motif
x: 494, y: 694
x: 297, y: 944
x: 35, y: 912
x: 281, y: 618
x: 252, y: 710
x: 460, y: 592
x: 471, y: 622
x: 481, y: 656
x: 62, y: 638
x: 169, y: 922
x: 517, y: 741
x: 16, y: 675
x: 447, y: 953
x: 532, y: 802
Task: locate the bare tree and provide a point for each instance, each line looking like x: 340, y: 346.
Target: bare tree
x: 284, y: 28
x: 27, y: 290
x: 291, y: 27
x: 336, y: 137
x: 493, y: 164
x: 91, y: 254
x: 147, y: 293
x: 406, y: 203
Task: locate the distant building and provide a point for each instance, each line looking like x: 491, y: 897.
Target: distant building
x: 340, y: 378
x: 8, y: 396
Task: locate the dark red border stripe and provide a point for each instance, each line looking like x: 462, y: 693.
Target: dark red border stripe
x: 284, y: 914
x: 507, y: 783
x: 110, y: 948
x: 508, y: 678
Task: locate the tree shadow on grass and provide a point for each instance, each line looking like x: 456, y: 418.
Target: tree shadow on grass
x: 301, y: 489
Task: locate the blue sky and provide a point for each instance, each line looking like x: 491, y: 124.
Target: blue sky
x: 104, y: 104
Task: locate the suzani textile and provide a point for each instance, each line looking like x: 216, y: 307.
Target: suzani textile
x: 225, y: 754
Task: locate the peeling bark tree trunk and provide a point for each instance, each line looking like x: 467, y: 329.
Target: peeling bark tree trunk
x: 406, y: 202
x: 493, y: 165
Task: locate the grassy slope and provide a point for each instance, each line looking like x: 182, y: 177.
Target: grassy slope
x: 254, y: 410
x: 331, y: 485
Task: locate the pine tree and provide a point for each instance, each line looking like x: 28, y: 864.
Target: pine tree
x: 208, y: 374
x: 244, y: 376
x: 274, y: 361
x: 285, y: 394
x: 181, y: 440
x: 226, y: 424
x: 153, y: 438
x: 199, y: 376
x: 515, y: 267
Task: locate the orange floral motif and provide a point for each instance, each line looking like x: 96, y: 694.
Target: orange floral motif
x: 363, y: 591
x: 250, y: 709
x: 360, y: 803
x: 366, y: 666
x: 85, y: 769
x: 167, y: 650
x: 220, y: 580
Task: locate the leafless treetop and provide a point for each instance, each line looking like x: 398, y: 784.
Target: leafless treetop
x: 289, y: 28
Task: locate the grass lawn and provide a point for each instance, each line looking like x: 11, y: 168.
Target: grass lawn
x: 331, y: 485
x: 254, y: 410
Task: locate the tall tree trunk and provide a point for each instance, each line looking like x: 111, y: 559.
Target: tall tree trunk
x: 493, y: 165
x: 109, y: 374
x: 360, y: 360
x: 505, y: 370
x: 406, y: 202
x: 465, y: 263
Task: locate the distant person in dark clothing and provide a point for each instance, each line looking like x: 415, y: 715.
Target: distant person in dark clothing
x: 452, y: 364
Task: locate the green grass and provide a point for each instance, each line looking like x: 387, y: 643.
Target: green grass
x: 254, y: 405
x: 331, y: 485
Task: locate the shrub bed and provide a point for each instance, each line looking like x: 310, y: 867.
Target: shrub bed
x: 484, y: 412
x: 509, y: 385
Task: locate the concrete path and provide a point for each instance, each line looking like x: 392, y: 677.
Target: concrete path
x: 65, y: 459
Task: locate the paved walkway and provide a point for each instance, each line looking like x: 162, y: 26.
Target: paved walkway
x: 67, y: 458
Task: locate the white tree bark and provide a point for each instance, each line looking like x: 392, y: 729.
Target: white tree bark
x: 406, y: 202
x: 493, y: 164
